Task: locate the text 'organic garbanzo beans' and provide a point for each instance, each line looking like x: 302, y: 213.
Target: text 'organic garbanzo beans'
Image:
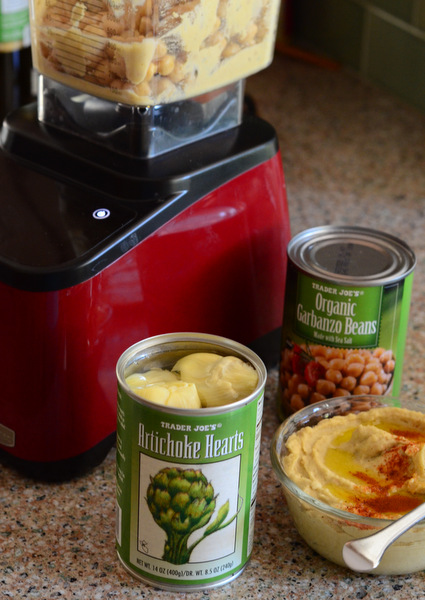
x: 345, y: 317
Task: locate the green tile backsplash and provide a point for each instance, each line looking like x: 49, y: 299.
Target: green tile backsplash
x: 383, y: 39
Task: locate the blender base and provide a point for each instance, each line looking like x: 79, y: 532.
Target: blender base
x: 106, y: 251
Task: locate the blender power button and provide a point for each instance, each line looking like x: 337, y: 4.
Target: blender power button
x: 101, y: 213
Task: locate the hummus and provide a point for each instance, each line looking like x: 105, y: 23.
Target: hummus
x: 371, y: 463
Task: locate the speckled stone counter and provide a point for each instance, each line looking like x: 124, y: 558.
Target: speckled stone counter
x: 352, y: 154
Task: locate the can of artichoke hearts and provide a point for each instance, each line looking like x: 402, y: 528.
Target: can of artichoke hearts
x: 345, y: 316
x: 187, y: 474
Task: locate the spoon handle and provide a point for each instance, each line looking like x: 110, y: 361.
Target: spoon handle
x: 365, y: 553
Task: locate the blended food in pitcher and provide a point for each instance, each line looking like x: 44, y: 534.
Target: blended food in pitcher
x: 145, y: 51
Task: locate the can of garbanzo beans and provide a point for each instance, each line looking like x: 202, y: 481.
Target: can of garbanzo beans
x: 188, y: 443
x: 345, y: 316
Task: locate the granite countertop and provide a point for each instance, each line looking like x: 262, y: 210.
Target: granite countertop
x: 352, y: 154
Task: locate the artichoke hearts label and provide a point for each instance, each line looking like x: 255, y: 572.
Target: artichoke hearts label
x: 186, y: 491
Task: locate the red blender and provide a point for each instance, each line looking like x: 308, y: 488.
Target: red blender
x: 138, y: 198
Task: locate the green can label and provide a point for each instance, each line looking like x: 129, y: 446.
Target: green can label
x: 186, y: 491
x: 341, y: 340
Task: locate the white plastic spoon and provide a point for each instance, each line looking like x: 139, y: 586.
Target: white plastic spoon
x: 365, y: 553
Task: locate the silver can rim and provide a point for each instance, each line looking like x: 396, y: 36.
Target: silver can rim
x: 404, y: 258
x: 228, y: 347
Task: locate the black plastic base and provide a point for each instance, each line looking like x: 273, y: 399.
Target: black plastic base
x: 268, y: 348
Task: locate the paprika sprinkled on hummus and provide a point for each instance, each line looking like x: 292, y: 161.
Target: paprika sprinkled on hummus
x: 371, y: 463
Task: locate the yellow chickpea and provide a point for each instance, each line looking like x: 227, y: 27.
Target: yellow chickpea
x: 325, y: 387
x: 386, y: 356
x: 316, y: 397
x: 354, y: 369
x: 303, y: 390
x: 337, y: 363
x: 293, y: 383
x: 296, y: 402
x: 378, y: 352
x: 356, y: 358
x: 373, y: 365
x: 349, y: 383
x: 334, y: 376
x: 361, y: 390
x: 318, y: 351
x: 166, y: 65
x: 215, y: 39
x: 339, y: 392
x: 383, y: 377
x: 368, y: 378
x: 377, y: 389
x: 143, y: 89
x: 389, y: 366
x: 332, y: 353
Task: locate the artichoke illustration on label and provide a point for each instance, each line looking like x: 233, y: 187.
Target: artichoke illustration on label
x: 182, y: 501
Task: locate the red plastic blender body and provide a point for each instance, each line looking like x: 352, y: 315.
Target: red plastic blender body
x: 216, y: 267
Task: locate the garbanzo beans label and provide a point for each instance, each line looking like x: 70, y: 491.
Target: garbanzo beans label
x: 340, y: 340
x: 331, y: 314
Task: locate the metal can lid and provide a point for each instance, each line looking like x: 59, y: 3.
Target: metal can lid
x: 351, y: 255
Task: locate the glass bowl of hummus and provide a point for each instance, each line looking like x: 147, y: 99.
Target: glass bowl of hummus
x: 350, y: 466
